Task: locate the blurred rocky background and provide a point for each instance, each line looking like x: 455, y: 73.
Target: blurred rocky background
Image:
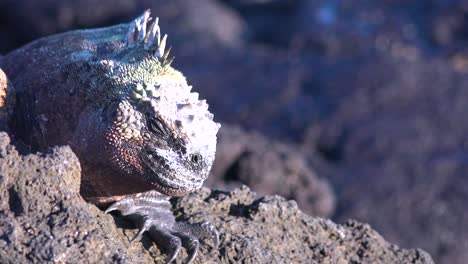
x: 356, y: 109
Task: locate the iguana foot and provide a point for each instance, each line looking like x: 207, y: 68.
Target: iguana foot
x: 151, y: 212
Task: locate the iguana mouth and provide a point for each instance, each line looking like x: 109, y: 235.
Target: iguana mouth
x: 180, y: 188
x: 170, y: 191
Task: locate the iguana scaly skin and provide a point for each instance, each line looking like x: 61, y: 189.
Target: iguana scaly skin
x: 140, y: 134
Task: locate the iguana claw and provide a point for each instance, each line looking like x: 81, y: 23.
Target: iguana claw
x: 151, y: 212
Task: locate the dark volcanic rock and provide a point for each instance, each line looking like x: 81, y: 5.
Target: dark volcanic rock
x: 273, y: 230
x: 267, y: 167
x: 44, y: 219
x: 399, y: 143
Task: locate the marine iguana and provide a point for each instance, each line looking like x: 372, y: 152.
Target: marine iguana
x: 140, y: 133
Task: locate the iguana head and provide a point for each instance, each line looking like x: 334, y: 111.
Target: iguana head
x: 156, y: 129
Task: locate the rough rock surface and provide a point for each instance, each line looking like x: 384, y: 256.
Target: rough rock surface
x: 268, y: 166
x: 44, y: 219
x: 398, y: 144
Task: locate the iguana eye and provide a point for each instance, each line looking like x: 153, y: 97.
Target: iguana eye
x: 196, y: 158
x: 156, y: 126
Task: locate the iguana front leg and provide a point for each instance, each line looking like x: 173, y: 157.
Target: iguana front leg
x: 151, y: 213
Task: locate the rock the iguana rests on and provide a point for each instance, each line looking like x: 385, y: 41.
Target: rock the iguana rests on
x: 140, y: 134
x: 43, y: 219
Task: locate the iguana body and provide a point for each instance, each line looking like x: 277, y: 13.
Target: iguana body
x: 139, y: 132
